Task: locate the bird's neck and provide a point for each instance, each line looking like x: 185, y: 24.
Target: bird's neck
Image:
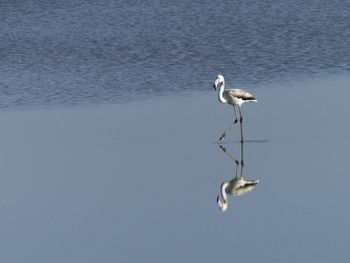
x: 223, y: 205
x: 221, y: 92
x: 223, y: 191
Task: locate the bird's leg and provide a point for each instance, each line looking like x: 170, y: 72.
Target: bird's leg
x: 229, y: 155
x: 242, y: 159
x: 241, y: 122
x: 229, y: 128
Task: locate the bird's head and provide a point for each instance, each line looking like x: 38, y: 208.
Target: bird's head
x: 219, y: 79
x: 222, y: 205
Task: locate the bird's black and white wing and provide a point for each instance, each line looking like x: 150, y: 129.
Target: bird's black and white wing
x: 240, y: 94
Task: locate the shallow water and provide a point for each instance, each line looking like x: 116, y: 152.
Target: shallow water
x: 61, y: 53
x: 139, y: 181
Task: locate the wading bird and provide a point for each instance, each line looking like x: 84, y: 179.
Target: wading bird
x: 236, y: 186
x: 235, y: 97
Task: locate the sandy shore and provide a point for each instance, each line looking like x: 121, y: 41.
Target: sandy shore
x: 139, y: 181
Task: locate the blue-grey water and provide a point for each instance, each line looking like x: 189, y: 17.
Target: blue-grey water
x: 138, y: 181
x: 84, y: 52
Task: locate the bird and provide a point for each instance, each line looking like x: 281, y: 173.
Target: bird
x: 236, y: 186
x: 235, y: 97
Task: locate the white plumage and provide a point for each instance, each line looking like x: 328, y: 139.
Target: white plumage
x: 235, y: 97
x: 236, y: 186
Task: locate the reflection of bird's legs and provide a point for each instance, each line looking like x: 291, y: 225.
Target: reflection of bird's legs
x: 229, y: 155
x: 241, y: 122
x: 242, y: 157
x: 229, y: 128
x: 242, y: 160
x: 233, y: 158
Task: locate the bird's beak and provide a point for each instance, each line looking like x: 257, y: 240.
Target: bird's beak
x: 216, y: 84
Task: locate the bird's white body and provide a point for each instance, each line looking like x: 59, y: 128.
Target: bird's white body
x: 237, y: 186
x: 235, y: 97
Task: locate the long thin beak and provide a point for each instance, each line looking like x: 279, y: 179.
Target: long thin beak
x: 216, y: 84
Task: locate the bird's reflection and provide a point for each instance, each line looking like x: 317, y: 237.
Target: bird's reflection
x: 236, y: 186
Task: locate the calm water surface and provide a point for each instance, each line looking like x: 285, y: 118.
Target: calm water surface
x: 82, y: 52
x: 138, y: 181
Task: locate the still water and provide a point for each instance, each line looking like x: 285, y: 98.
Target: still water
x: 140, y: 181
x: 82, y: 52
